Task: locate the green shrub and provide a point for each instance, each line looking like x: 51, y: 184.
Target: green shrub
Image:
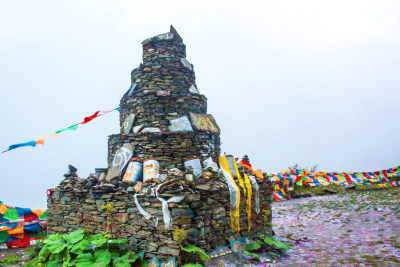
x: 80, y: 248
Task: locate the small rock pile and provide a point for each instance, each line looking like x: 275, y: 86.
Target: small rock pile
x: 175, y: 182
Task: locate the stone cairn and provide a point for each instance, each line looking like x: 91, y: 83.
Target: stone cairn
x: 164, y: 88
x: 162, y: 98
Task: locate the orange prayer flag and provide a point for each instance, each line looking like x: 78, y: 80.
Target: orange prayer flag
x: 19, y: 230
x: 2, y: 209
x: 41, y: 139
x: 38, y: 212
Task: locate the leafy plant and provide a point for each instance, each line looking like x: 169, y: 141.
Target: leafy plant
x: 193, y: 249
x: 251, y: 254
x: 179, y: 235
x: 80, y: 248
x: 107, y: 208
x: 269, y: 240
x: 253, y: 246
x: 266, y: 214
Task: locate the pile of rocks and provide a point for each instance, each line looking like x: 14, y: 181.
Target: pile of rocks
x: 163, y: 88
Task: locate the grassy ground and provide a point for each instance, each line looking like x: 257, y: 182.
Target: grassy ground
x: 340, y: 189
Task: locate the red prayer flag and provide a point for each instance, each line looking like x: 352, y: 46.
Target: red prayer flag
x: 87, y: 119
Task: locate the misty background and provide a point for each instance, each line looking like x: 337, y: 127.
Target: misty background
x: 307, y: 82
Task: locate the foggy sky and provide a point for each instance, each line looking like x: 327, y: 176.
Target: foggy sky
x: 307, y: 82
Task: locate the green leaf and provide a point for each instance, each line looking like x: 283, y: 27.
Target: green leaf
x: 59, y: 259
x: 44, y: 253
x: 114, y: 254
x: 193, y: 265
x: 251, y: 254
x: 103, y: 257
x: 85, y: 259
x: 253, y: 246
x: 79, y: 247
x: 126, y: 260
x: 278, y: 244
x: 100, y: 258
x: 53, y: 262
x: 98, y: 236
x: 75, y: 236
x: 52, y: 238
x: 99, y: 241
x: 118, y: 241
x: 198, y: 251
x: 57, y: 246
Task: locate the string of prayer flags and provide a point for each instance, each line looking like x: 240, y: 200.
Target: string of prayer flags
x: 285, y: 181
x: 247, y: 165
x: 56, y: 133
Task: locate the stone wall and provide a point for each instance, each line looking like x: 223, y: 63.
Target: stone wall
x: 203, y: 214
x: 170, y: 149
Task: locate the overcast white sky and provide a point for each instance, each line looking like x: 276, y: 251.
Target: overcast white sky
x: 307, y: 82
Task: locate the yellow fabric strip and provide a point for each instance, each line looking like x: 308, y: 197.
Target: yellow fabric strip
x: 241, y: 183
x: 235, y: 214
x: 248, y: 203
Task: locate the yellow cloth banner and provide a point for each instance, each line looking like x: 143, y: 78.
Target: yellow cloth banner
x: 241, y: 183
x: 248, y: 202
x: 234, y: 210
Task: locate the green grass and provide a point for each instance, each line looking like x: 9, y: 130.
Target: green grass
x: 11, y: 260
x: 340, y: 189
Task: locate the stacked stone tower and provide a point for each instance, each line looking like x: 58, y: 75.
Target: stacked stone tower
x: 163, y: 117
x: 163, y: 88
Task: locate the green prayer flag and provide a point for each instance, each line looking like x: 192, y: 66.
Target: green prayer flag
x: 41, y: 234
x: 3, y: 236
x: 72, y: 128
x: 11, y: 214
x: 44, y: 215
